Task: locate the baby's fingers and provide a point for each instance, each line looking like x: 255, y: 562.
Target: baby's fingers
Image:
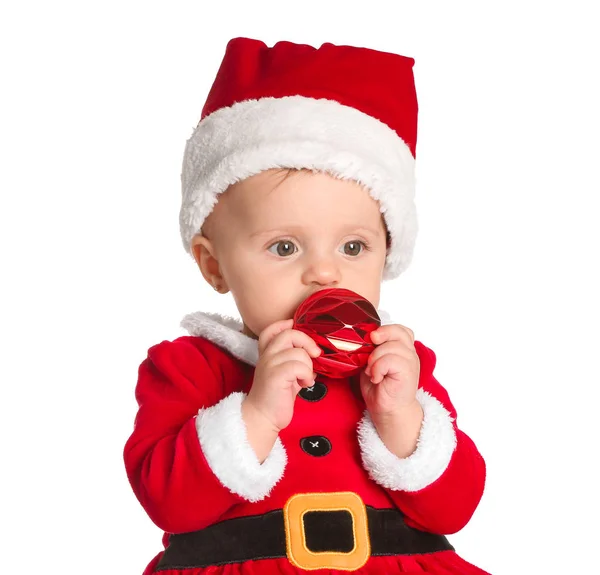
x: 386, y: 365
x: 289, y: 339
x: 267, y: 334
x: 297, y: 372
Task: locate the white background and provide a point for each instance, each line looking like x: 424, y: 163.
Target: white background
x: 98, y: 100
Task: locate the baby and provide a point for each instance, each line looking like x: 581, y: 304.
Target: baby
x: 300, y: 177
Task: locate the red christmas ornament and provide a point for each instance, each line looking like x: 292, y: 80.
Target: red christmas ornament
x: 340, y: 321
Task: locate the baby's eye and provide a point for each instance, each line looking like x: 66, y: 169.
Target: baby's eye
x: 286, y: 247
x: 354, y: 245
x: 285, y: 251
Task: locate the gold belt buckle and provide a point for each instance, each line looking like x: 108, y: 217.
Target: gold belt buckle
x: 295, y: 536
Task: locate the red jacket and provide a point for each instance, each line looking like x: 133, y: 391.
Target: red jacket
x: 190, y: 465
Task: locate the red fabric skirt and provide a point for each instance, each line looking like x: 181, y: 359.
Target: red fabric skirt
x: 439, y: 563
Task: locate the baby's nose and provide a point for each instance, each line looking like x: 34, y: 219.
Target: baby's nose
x: 322, y: 273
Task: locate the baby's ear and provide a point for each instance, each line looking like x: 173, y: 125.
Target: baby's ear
x: 198, y: 243
x: 204, y: 253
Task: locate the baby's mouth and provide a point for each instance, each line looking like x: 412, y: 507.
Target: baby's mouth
x: 342, y: 344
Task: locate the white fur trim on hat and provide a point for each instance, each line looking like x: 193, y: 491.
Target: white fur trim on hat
x: 252, y: 136
x: 222, y: 434
x: 435, y: 446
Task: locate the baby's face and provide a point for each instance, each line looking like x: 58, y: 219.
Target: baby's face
x: 275, y: 241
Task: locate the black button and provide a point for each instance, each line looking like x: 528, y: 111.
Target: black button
x: 316, y: 445
x: 315, y: 393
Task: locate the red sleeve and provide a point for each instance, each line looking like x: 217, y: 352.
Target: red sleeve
x: 439, y: 486
x: 164, y: 461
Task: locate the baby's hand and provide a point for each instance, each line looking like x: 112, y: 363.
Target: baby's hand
x: 283, y: 369
x: 390, y: 381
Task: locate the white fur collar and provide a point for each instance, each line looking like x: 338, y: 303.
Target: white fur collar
x: 226, y: 332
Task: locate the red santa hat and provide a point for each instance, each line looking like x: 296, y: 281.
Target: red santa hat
x: 347, y: 111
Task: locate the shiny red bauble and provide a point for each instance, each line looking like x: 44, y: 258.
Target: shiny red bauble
x: 340, y: 321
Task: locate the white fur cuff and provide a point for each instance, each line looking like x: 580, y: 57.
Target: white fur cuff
x: 435, y: 446
x: 222, y: 434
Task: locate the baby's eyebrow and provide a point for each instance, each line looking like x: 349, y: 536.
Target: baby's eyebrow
x: 285, y: 229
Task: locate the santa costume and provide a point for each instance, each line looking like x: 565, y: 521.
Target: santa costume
x: 330, y: 497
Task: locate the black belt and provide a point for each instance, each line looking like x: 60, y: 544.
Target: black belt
x: 263, y: 537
